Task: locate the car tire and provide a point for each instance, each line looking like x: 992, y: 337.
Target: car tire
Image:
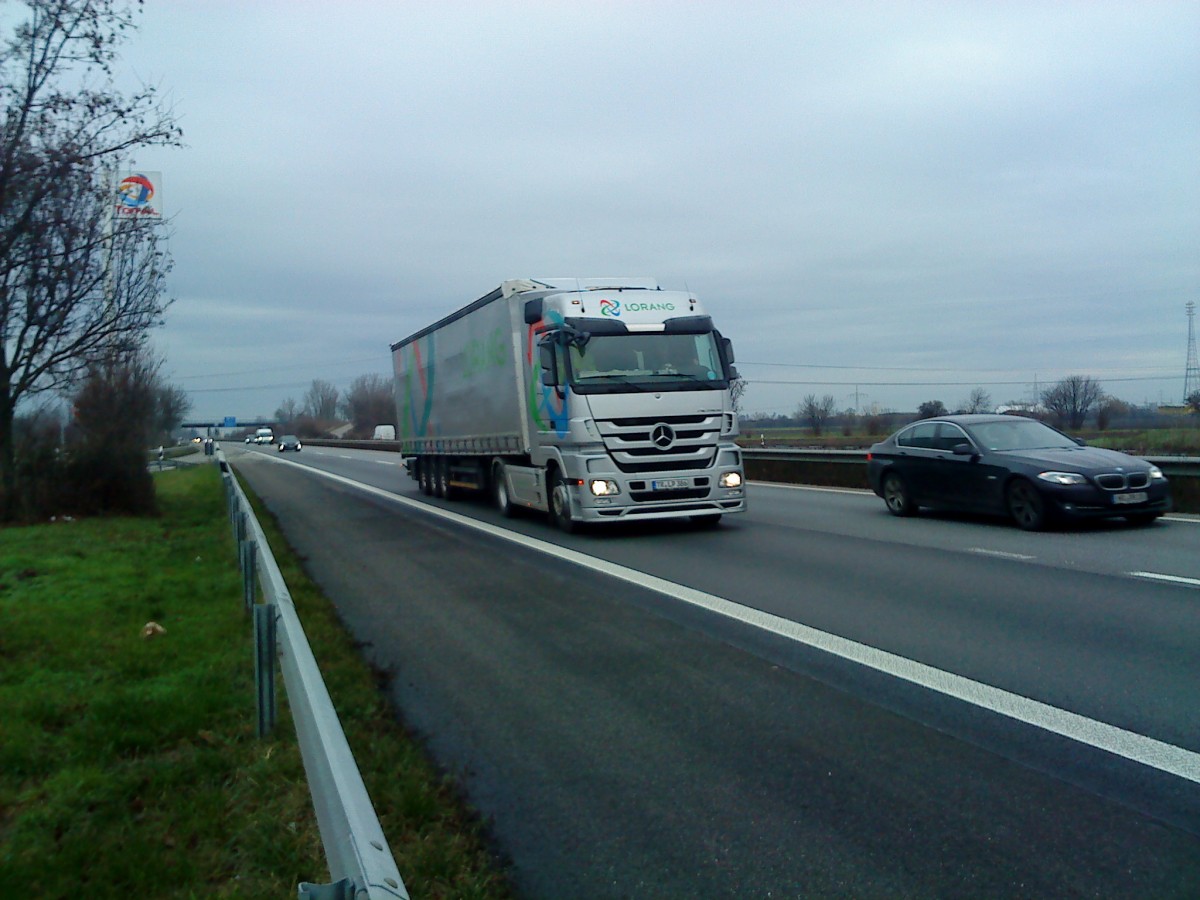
x: 1025, y: 505
x: 896, y: 496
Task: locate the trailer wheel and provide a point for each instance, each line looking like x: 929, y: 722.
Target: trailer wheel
x: 560, y: 504
x: 500, y: 491
x: 425, y: 475
x: 441, y: 478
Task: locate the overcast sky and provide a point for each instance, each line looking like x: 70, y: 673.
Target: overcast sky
x: 886, y: 202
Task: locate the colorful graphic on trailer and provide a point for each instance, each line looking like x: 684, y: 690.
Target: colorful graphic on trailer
x: 547, y: 408
x: 139, y: 196
x: 417, y: 397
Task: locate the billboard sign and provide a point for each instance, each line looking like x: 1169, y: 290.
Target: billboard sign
x: 139, y: 196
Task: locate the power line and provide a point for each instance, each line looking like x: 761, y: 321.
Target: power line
x: 975, y: 383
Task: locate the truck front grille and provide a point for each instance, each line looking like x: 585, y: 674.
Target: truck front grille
x: 669, y: 443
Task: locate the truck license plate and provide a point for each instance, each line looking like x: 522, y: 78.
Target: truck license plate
x: 670, y: 484
x: 1121, y: 499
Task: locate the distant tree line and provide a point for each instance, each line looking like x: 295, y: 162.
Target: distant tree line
x: 366, y: 403
x: 1069, y: 404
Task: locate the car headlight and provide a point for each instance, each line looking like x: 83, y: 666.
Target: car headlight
x: 1063, y: 477
x: 730, y: 480
x: 1156, y: 474
x: 602, y: 487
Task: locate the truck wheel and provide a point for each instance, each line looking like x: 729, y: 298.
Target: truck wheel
x: 560, y: 504
x: 500, y: 492
x: 425, y: 475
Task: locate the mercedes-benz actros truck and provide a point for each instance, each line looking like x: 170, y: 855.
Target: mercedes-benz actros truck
x: 592, y: 399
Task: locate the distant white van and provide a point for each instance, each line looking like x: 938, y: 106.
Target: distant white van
x: 385, y: 432
x: 264, y: 436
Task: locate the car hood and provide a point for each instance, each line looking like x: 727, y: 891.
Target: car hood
x: 1095, y: 459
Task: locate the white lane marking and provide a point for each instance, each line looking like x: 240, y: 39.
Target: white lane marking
x: 1173, y: 579
x: 1000, y: 554
x: 1127, y: 744
x: 811, y: 487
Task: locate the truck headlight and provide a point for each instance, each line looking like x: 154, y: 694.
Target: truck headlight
x: 730, y: 480
x: 602, y: 487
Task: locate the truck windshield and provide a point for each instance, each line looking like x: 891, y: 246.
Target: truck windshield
x: 655, y: 361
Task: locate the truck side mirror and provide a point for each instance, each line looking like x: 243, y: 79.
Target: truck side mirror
x: 533, y: 311
x: 549, y: 364
x: 727, y: 349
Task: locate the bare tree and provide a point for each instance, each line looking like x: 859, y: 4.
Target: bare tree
x: 172, y: 405
x: 737, y: 392
x: 321, y: 401
x: 288, y: 412
x: 368, y: 402
x: 931, y: 408
x: 73, y: 288
x: 1072, y: 399
x: 979, y: 401
x: 1193, y: 401
x: 817, y: 412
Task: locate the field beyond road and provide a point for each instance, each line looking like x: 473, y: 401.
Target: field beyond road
x: 129, y: 764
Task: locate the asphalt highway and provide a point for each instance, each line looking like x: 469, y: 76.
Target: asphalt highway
x: 813, y: 699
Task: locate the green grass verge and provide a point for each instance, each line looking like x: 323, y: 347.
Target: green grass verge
x: 129, y: 766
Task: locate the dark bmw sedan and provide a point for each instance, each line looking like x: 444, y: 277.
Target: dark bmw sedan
x: 1012, y: 466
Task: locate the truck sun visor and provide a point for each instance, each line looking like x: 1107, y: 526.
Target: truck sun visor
x: 689, y: 325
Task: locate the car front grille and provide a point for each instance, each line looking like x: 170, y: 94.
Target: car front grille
x: 1121, y: 481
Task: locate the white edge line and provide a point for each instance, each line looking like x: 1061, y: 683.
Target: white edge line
x: 1000, y: 554
x: 1127, y: 744
x: 1173, y: 579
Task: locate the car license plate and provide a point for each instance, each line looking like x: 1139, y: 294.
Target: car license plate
x: 1123, y: 499
x: 671, y: 484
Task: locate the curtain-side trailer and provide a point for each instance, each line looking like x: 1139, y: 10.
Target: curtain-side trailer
x: 592, y: 399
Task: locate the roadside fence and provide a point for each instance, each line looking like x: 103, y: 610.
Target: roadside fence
x: 360, y: 862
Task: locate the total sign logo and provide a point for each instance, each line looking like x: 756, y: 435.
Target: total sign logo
x: 137, y: 196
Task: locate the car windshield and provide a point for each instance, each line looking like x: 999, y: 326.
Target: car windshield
x: 1020, y: 434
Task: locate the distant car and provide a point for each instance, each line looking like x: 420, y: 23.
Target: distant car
x: 1012, y: 466
x: 289, y: 442
x: 249, y: 439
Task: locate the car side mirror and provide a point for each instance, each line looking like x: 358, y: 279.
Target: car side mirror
x: 1080, y: 441
x: 964, y: 449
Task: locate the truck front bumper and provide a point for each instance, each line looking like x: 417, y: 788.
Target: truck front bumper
x: 607, y: 498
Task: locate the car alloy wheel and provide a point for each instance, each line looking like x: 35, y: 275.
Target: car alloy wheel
x: 895, y: 495
x: 1026, y: 505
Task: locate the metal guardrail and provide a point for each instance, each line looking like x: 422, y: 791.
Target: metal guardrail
x: 360, y: 861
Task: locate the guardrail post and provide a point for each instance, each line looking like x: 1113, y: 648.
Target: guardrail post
x: 339, y: 890
x: 264, y: 666
x: 249, y: 557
